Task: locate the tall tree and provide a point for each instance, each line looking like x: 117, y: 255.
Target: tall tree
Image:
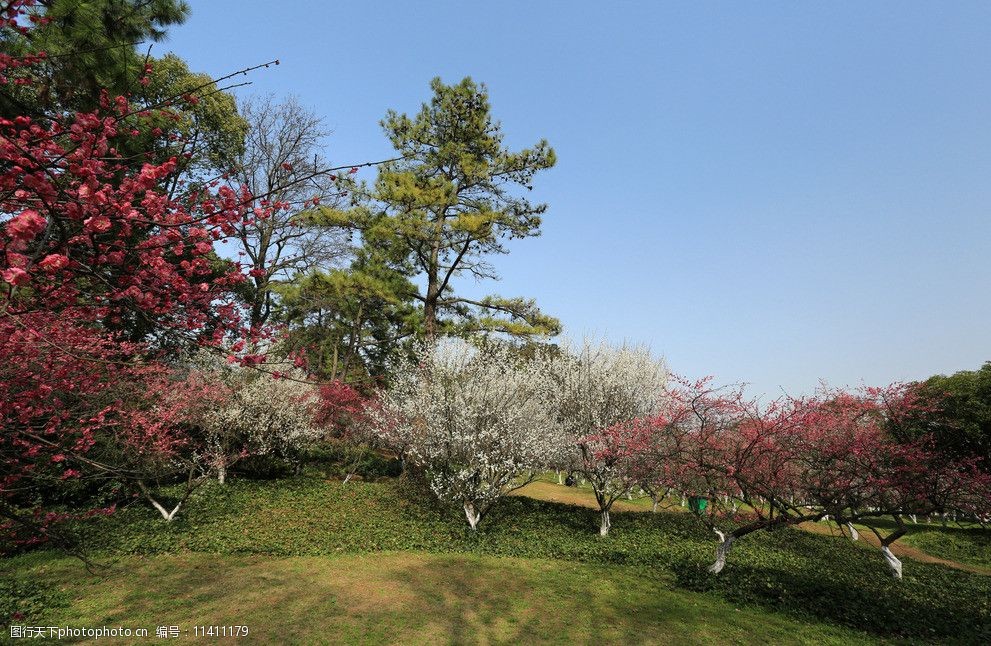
x: 957, y: 415
x: 352, y: 322
x: 90, y: 46
x: 281, y: 164
x: 452, y: 200
x: 188, y: 117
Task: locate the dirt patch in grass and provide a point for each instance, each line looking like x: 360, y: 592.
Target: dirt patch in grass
x: 571, y: 496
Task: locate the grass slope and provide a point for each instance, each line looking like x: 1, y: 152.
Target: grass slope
x: 960, y: 546
x: 649, y: 572
x: 413, y: 599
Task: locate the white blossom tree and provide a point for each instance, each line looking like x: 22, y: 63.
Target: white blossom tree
x: 598, y: 386
x: 479, y: 421
x: 269, y: 411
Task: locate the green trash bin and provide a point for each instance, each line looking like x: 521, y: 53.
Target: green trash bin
x: 697, y: 504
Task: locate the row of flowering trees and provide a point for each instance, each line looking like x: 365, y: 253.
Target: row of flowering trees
x: 480, y: 421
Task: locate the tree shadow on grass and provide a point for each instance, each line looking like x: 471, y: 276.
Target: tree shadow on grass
x: 865, y: 598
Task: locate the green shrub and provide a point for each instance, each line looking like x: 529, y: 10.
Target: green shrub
x: 263, y: 467
x: 336, y: 459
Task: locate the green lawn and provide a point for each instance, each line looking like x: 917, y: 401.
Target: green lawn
x: 318, y: 561
x: 412, y: 599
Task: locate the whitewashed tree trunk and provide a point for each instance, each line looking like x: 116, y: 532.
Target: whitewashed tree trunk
x: 654, y: 498
x: 560, y: 477
x: 166, y: 514
x: 725, y: 544
x: 221, y: 473
x: 854, y: 534
x: 472, y: 515
x: 605, y: 524
x: 684, y: 502
x: 893, y: 562
x: 915, y: 521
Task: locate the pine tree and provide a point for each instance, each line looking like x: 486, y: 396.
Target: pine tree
x: 456, y: 196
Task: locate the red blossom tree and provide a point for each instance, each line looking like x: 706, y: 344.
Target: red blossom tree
x: 747, y: 467
x: 101, y: 273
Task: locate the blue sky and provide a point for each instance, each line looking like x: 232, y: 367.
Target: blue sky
x: 774, y: 193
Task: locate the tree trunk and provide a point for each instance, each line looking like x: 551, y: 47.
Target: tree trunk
x: 430, y: 320
x: 166, y: 514
x: 433, y: 294
x: 725, y: 544
x: 605, y: 524
x: 893, y: 562
x: 854, y: 534
x: 222, y: 473
x: 472, y: 516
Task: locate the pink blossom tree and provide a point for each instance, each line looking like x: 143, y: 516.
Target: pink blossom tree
x: 102, y: 277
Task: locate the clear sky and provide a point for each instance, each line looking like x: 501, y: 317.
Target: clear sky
x: 774, y: 193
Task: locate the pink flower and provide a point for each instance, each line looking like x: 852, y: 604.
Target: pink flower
x: 53, y: 262
x: 15, y: 276
x: 26, y: 225
x: 98, y: 223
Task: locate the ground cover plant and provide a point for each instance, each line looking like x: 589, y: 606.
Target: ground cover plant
x: 781, y: 572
